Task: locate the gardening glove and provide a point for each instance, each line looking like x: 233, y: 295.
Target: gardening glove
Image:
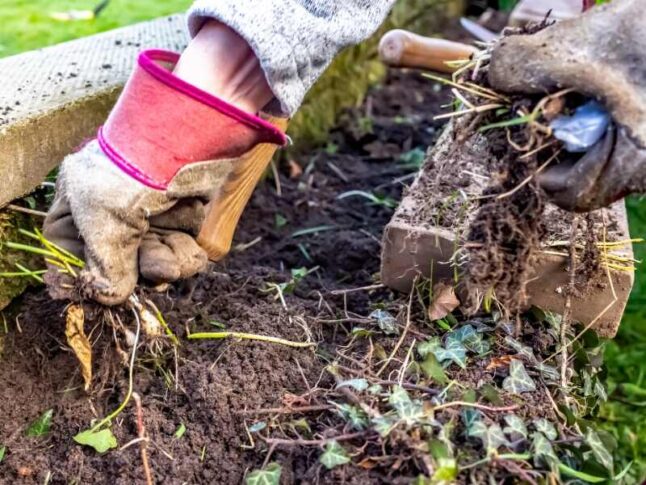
x: 133, y: 200
x: 602, y: 54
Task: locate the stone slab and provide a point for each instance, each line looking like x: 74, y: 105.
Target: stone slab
x: 413, y: 248
x: 54, y: 98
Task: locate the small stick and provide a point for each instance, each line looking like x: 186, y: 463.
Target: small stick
x: 403, y: 335
x: 141, y: 431
x: 567, y: 312
x: 25, y: 210
x: 476, y: 406
x: 362, y: 288
x: 286, y: 410
x: 248, y: 336
x: 324, y: 441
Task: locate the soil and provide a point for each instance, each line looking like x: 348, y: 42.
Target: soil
x: 206, y: 385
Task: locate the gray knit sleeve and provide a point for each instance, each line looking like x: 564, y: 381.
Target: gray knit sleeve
x: 295, y: 40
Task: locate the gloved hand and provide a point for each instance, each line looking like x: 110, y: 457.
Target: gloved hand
x: 601, y: 53
x: 133, y: 200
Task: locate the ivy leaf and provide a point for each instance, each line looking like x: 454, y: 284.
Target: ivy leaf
x: 356, y: 384
x: 492, y: 437
x: 454, y: 352
x: 334, y: 455
x: 522, y: 350
x: 515, y: 428
x: 548, y: 372
x: 470, y: 339
x: 542, y: 449
x: 101, y: 440
x: 270, y: 475
x: 408, y: 410
x: 599, y: 450
x: 470, y: 417
x: 428, y: 347
x: 433, y: 370
x: 353, y: 415
x: 384, y: 424
x: 518, y: 380
x: 542, y: 425
x: 385, y: 321
x: 41, y: 426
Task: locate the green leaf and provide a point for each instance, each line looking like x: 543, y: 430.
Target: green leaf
x: 492, y: 437
x: 599, y: 450
x: 179, y: 432
x: 542, y: 449
x: 41, y: 426
x: 433, y: 370
x: 548, y: 372
x: 446, y: 471
x: 470, y: 416
x: 385, y: 321
x: 453, y: 352
x: 515, y: 428
x: 384, y: 424
x: 270, y: 475
x: 542, y: 425
x: 428, y: 347
x: 413, y: 158
x: 410, y: 411
x: 101, y: 440
x: 357, y: 384
x: 353, y: 415
x: 470, y: 339
x: 279, y: 221
x: 518, y: 380
x: 586, y: 477
x: 491, y: 394
x: 3, y: 450
x: 361, y: 332
x: 334, y: 455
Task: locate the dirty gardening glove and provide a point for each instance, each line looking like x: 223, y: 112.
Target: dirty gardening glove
x: 602, y: 54
x: 132, y: 200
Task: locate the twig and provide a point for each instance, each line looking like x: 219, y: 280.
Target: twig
x: 286, y: 410
x: 466, y: 404
x: 248, y: 336
x: 362, y: 288
x: 324, y: 441
x: 404, y: 332
x: 529, y: 178
x: 274, y: 171
x: 141, y: 432
x: 25, y: 210
x: 567, y: 312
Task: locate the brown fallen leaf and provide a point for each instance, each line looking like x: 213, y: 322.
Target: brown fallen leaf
x: 497, y: 362
x: 295, y: 170
x: 79, y: 342
x: 444, y: 301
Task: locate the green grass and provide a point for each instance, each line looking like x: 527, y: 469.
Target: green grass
x: 26, y: 24
x: 624, y: 415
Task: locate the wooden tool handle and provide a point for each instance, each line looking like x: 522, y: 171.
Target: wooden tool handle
x: 225, y: 209
x: 400, y: 48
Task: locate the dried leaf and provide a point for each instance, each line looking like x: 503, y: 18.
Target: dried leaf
x: 497, y: 362
x: 334, y: 455
x: 270, y: 475
x: 150, y: 323
x: 79, y: 342
x: 518, y: 380
x: 295, y: 170
x: 444, y: 301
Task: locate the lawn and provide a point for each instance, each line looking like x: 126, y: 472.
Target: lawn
x: 27, y: 24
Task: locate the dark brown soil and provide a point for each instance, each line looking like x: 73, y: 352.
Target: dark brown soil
x: 208, y: 383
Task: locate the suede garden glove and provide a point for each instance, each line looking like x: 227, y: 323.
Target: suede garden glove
x: 132, y: 200
x: 602, y: 54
